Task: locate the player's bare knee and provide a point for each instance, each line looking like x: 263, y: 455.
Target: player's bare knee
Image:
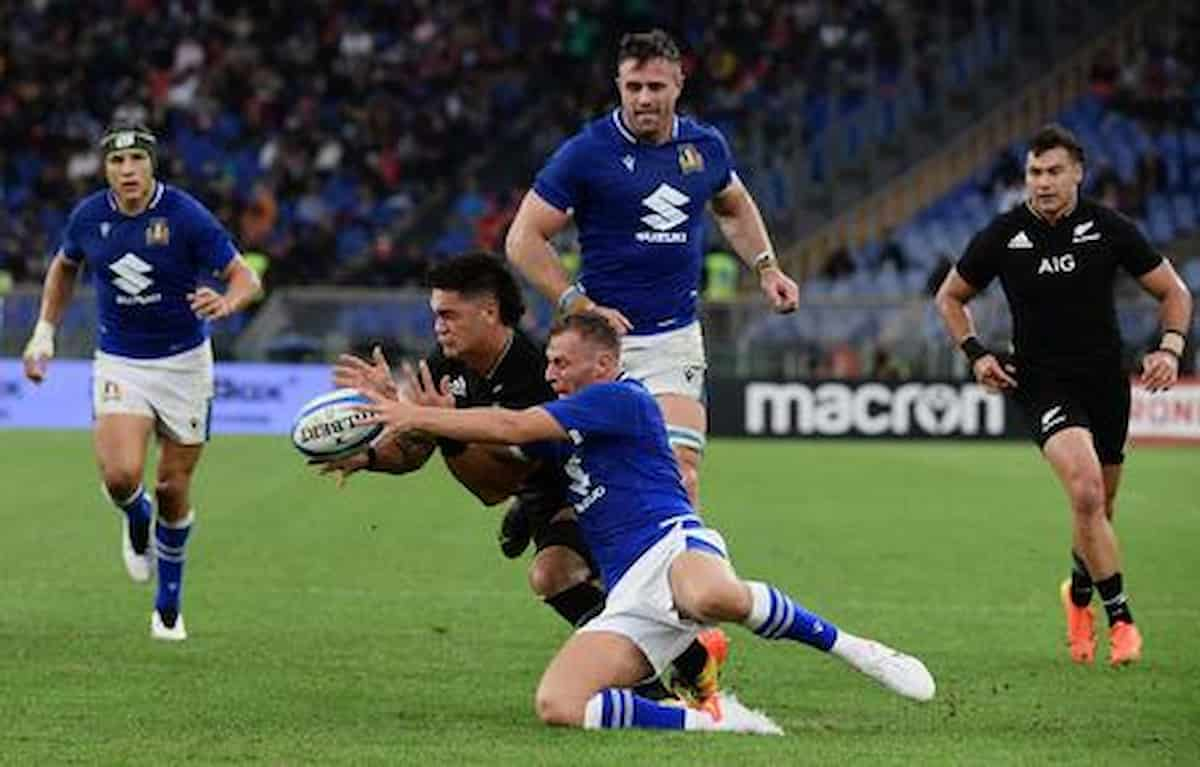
x: 555, y: 708
x: 717, y: 603
x: 1087, y: 495
x: 120, y: 483
x: 556, y: 569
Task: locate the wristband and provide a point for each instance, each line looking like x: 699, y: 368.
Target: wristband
x: 764, y: 261
x: 43, y: 331
x: 571, y: 299
x: 973, y: 348
x: 1174, y: 342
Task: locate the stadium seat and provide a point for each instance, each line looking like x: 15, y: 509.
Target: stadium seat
x: 1190, y: 272
x: 1159, y: 220
x: 1184, y: 208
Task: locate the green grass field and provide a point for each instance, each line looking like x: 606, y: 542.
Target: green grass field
x: 380, y: 624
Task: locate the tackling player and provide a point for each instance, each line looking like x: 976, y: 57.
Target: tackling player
x: 147, y: 245
x: 1057, y: 257
x: 667, y: 574
x: 483, y: 359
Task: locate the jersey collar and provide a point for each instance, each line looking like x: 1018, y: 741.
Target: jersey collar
x: 628, y: 134
x: 159, y: 187
x: 1064, y: 217
x: 512, y: 335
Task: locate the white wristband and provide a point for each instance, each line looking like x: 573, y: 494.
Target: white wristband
x: 764, y: 261
x: 569, y: 298
x: 41, y: 343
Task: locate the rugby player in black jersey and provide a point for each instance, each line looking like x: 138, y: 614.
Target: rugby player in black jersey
x: 483, y: 359
x: 1057, y: 258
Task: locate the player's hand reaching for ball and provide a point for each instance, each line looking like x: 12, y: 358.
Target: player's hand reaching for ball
x: 208, y: 304
x: 420, y: 389
x: 352, y: 372
x: 342, y: 468
x: 995, y: 375
x: 1160, y: 371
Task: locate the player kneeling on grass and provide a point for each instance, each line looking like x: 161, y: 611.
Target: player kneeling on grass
x: 667, y: 574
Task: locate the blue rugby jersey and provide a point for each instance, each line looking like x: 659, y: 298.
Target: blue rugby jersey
x: 640, y: 213
x: 624, y: 482
x: 144, y: 266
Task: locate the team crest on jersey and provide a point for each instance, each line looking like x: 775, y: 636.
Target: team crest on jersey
x: 690, y: 159
x: 458, y: 387
x: 105, y: 228
x: 157, y: 232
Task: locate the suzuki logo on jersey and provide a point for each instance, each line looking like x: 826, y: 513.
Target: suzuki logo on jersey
x: 665, y: 201
x: 131, y: 274
x: 1057, y: 264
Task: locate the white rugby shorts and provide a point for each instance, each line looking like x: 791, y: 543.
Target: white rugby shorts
x: 175, y: 391
x: 667, y: 363
x: 640, y: 605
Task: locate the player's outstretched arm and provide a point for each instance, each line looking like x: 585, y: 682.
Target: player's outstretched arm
x: 528, y: 248
x: 1160, y: 367
x: 242, y: 288
x: 491, y: 425
x: 742, y: 224
x: 56, y: 295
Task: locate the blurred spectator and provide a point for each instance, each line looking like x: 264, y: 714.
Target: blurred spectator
x: 839, y: 265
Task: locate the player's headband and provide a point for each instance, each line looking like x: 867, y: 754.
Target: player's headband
x: 130, y: 138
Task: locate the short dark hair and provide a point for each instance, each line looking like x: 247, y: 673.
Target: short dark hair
x: 1053, y: 136
x: 480, y: 274
x: 643, y: 46
x: 591, y: 327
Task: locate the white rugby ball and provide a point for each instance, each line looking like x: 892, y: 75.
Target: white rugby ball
x: 329, y: 427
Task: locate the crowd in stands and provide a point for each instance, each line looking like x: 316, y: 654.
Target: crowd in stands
x: 351, y: 142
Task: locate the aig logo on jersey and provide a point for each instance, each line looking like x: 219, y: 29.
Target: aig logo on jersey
x: 133, y: 280
x: 1057, y: 264
x: 665, y: 202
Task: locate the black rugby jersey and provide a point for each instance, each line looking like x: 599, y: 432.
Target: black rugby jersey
x: 517, y: 382
x: 1059, y: 281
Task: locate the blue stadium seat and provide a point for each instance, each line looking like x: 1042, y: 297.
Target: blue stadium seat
x: 1184, y: 208
x: 1190, y: 272
x: 1158, y: 219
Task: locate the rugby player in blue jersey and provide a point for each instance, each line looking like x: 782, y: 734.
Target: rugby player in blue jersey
x: 636, y: 181
x: 147, y: 246
x: 667, y: 574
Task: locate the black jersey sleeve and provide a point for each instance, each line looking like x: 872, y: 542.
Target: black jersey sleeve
x: 980, y: 262
x: 1134, y: 253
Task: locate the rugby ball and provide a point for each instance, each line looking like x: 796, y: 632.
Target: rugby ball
x: 328, y: 426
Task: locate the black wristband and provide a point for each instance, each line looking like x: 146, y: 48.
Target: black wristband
x: 372, y: 455
x: 451, y: 447
x: 973, y: 348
